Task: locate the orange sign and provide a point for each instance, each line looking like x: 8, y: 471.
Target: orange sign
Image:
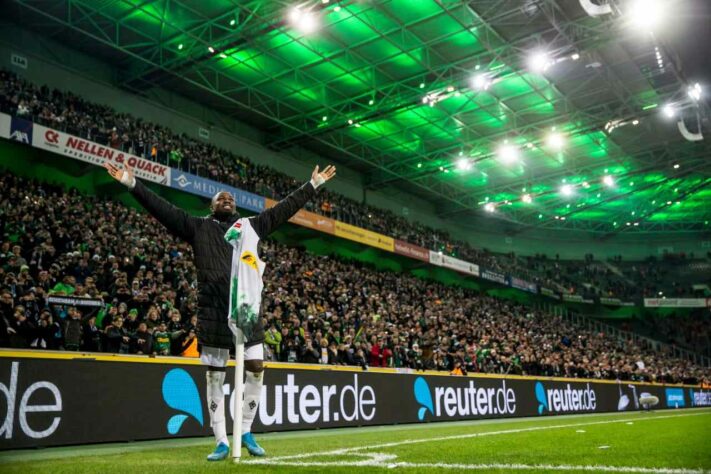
x: 308, y: 219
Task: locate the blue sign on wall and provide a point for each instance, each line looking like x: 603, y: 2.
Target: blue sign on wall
x: 207, y: 188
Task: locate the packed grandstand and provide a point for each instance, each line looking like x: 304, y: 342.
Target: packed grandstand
x: 59, y: 243
x: 671, y: 275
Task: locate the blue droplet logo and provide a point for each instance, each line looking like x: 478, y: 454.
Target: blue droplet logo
x: 541, y: 397
x: 423, y: 397
x: 181, y: 393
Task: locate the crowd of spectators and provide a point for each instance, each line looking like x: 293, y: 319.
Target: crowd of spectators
x: 316, y: 309
x: 100, y: 123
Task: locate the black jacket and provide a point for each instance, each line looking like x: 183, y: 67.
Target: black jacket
x: 213, y: 255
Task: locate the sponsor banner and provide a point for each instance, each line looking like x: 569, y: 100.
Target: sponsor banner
x: 363, y: 236
x: 436, y: 258
x: 676, y: 302
x: 90, y: 152
x: 207, y: 188
x: 460, y: 265
x: 49, y: 403
x: 674, y: 397
x: 576, y: 299
x: 615, y: 302
x: 5, y: 121
x: 699, y: 398
x: 548, y: 292
x: 412, y: 251
x: 21, y: 130
x: 524, y: 285
x: 308, y: 219
x: 494, y: 276
x: 71, y: 301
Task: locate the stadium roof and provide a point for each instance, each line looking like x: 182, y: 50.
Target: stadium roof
x: 501, y: 109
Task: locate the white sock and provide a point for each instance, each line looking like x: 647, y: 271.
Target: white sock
x: 216, y: 405
x: 252, y: 393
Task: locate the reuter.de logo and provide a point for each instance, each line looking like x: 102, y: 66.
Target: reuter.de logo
x: 561, y: 400
x: 468, y: 400
x: 20, y: 403
x: 280, y: 404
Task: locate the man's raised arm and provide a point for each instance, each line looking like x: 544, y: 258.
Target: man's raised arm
x: 176, y: 220
x: 267, y: 221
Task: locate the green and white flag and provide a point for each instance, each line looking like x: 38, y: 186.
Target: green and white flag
x: 246, y: 279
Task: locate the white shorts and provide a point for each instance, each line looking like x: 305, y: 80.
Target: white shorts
x: 218, y: 357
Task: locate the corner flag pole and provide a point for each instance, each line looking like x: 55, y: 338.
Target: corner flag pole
x: 239, y: 396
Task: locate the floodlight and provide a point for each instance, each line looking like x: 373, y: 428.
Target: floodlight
x: 539, y: 61
x: 303, y: 20
x: 555, y: 140
x: 508, y: 153
x: 647, y: 14
x: 608, y: 181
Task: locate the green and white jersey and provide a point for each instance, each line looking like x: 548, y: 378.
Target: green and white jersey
x: 246, y: 283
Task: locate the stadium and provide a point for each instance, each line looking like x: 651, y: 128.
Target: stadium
x: 338, y: 235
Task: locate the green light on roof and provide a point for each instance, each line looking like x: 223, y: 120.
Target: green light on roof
x: 540, y: 216
x: 324, y: 118
x: 371, y: 102
x: 650, y: 106
x: 180, y: 46
x: 419, y: 165
x: 422, y: 85
x: 232, y: 22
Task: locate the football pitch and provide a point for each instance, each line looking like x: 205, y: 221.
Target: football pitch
x: 647, y: 442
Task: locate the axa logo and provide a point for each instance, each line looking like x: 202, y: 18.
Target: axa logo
x: 423, y: 397
x: 182, y: 181
x: 20, y: 136
x: 566, y: 399
x: 181, y: 393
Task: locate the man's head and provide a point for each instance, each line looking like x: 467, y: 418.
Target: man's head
x: 223, y: 205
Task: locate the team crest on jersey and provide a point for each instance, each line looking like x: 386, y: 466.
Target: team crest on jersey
x: 249, y: 258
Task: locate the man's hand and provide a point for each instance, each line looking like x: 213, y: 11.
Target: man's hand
x: 319, y: 178
x: 124, y: 176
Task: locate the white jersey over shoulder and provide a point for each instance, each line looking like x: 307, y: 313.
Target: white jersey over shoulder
x: 246, y: 283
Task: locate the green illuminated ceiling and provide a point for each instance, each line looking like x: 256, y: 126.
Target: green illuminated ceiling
x: 386, y: 87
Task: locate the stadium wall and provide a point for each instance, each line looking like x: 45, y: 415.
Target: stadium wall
x: 71, y: 70
x: 59, y: 398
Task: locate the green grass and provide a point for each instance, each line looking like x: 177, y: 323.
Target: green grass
x: 674, y: 440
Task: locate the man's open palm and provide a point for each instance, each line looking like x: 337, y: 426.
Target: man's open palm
x: 328, y: 173
x: 117, y: 173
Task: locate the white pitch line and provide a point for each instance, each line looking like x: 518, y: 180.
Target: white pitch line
x: 482, y: 467
x: 336, y: 452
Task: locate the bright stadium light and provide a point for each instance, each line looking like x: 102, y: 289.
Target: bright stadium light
x: 489, y: 207
x: 566, y: 190
x: 555, y: 141
x: 464, y: 164
x: 507, y: 153
x: 481, y: 82
x: 695, y: 92
x: 609, y: 181
x: 527, y: 198
x: 539, y: 61
x: 303, y: 20
x: 669, y: 111
x: 647, y: 14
